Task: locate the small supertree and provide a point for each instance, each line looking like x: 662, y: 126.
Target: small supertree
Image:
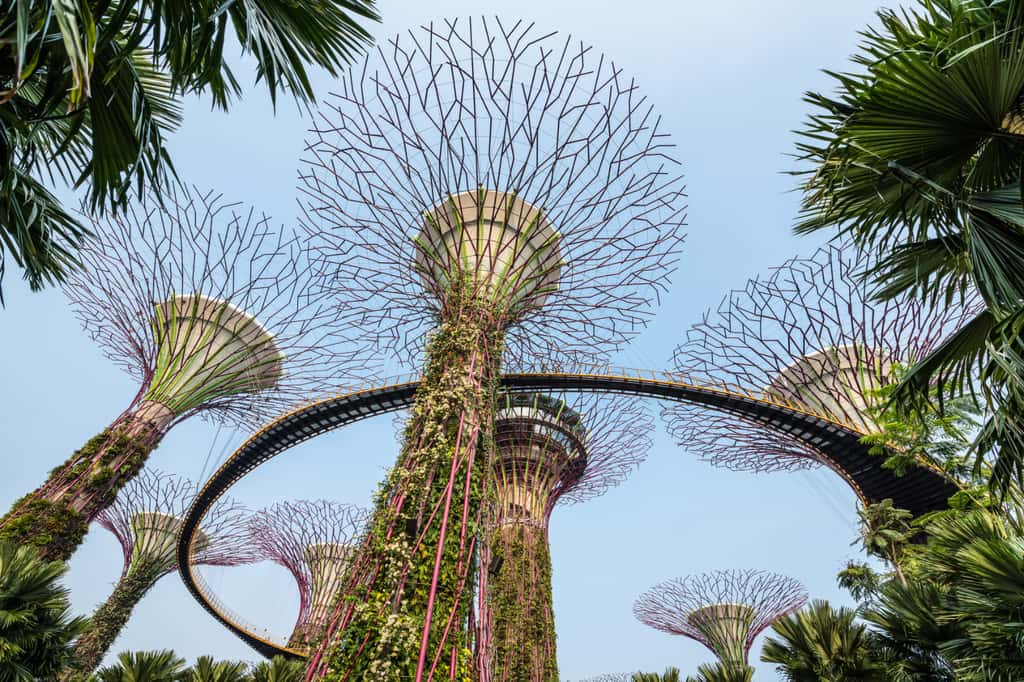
x: 810, y: 334
x: 610, y: 677
x: 314, y: 541
x: 479, y: 191
x: 207, y: 305
x: 548, y: 451
x: 145, y: 518
x: 723, y: 610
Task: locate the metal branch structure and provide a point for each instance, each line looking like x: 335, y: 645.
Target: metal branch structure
x: 146, y: 518
x: 548, y: 450
x: 477, y: 193
x: 723, y: 610
x: 209, y: 307
x: 809, y: 334
x: 314, y: 541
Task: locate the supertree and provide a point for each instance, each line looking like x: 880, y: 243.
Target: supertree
x: 548, y: 450
x: 478, y: 191
x: 314, y: 541
x: 811, y: 334
x: 208, y: 306
x: 145, y: 518
x: 723, y: 610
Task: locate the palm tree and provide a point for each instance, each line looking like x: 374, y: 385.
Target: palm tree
x: 822, y: 644
x: 36, y: 628
x: 145, y: 666
x: 721, y: 673
x: 88, y: 92
x: 959, y: 619
x: 918, y: 158
x: 208, y: 670
x: 279, y: 669
x: 670, y: 675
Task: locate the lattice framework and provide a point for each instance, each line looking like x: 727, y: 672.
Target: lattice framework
x: 688, y: 607
x: 312, y: 540
x: 810, y: 333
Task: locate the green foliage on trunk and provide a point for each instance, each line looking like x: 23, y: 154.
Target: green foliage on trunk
x: 110, y: 618
x: 521, y: 607
x: 92, y: 478
x: 383, y: 639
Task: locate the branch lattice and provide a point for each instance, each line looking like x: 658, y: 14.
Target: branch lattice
x: 809, y: 333
x: 459, y: 105
x: 191, y: 243
x: 613, y: 433
x: 307, y: 538
x: 147, y: 514
x: 676, y: 606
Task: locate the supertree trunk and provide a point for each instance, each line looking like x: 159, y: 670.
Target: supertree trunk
x: 55, y: 518
x: 520, y: 607
x: 414, y: 578
x: 210, y: 311
x: 110, y: 617
x: 145, y: 519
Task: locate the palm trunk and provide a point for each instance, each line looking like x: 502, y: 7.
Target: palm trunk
x: 55, y: 518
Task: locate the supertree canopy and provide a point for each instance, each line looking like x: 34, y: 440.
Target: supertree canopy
x: 548, y: 450
x: 314, y: 541
x: 145, y: 518
x: 477, y: 190
x: 723, y: 610
x: 812, y: 335
x: 208, y: 306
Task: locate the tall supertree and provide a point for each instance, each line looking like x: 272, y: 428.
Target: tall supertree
x: 548, y: 450
x: 145, y: 518
x: 314, y: 541
x: 723, y: 610
x: 479, y: 191
x: 207, y: 305
x: 810, y: 334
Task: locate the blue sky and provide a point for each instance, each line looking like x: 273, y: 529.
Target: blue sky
x: 727, y: 77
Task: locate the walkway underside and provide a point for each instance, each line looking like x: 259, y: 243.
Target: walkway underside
x: 919, y: 491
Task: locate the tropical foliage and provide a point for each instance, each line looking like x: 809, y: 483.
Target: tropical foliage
x: 822, y: 644
x: 918, y: 158
x: 89, y: 91
x: 166, y: 666
x: 36, y: 627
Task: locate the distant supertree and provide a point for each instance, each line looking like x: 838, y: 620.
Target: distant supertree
x: 610, y: 677
x: 809, y: 334
x: 478, y: 191
x: 314, y: 541
x: 723, y: 610
x: 145, y: 519
x: 206, y: 304
x: 548, y: 450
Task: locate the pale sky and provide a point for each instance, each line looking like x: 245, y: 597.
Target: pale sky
x: 727, y: 78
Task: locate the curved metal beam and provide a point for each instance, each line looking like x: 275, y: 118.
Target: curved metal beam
x: 920, y: 490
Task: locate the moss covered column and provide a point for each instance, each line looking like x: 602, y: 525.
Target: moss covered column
x: 55, y: 517
x: 110, y: 618
x: 410, y: 589
x: 522, y: 646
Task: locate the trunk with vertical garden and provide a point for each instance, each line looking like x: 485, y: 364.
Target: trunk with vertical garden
x: 492, y: 215
x: 209, y: 310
